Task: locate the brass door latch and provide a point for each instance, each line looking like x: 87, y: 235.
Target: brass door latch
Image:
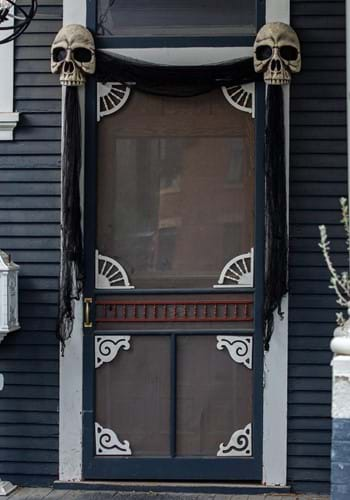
x: 87, y: 320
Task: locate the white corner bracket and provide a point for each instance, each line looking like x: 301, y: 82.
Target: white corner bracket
x: 8, y: 119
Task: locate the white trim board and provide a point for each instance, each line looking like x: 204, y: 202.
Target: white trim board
x: 8, y: 119
x: 276, y: 361
x: 71, y: 365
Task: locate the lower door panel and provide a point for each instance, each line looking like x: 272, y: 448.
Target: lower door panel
x: 173, y: 406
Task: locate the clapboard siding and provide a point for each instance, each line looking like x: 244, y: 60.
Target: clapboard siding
x: 318, y: 177
x: 29, y: 229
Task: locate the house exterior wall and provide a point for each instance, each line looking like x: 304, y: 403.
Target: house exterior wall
x: 318, y: 178
x: 29, y: 230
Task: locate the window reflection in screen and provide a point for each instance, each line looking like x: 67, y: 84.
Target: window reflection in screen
x: 177, y: 17
x: 174, y: 209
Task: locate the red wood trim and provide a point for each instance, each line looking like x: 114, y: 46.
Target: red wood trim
x: 112, y: 311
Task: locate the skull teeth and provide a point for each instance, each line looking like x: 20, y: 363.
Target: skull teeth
x: 71, y: 83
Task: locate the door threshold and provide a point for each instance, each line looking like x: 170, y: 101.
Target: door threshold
x: 174, y: 487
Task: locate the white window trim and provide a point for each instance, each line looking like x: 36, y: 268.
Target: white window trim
x: 8, y: 118
x: 275, y: 363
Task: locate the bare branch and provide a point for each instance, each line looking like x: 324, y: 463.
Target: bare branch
x: 339, y: 283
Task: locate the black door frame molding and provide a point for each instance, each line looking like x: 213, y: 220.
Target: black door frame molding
x: 103, y: 468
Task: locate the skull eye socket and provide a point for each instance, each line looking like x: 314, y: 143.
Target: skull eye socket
x: 263, y: 52
x: 59, y: 54
x: 82, y: 55
x: 289, y: 53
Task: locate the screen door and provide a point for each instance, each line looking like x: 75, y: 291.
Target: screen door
x: 173, y: 303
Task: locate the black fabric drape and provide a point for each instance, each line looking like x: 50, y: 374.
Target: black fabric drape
x: 71, y: 277
x: 177, y: 81
x: 276, y: 280
x: 171, y: 80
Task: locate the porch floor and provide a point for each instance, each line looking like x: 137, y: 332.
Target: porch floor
x: 50, y: 494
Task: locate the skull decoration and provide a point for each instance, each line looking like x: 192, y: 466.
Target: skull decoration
x: 277, y: 53
x: 73, y: 55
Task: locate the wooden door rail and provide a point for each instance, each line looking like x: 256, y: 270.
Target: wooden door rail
x: 113, y: 311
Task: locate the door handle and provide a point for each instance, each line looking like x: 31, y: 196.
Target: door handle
x: 87, y: 320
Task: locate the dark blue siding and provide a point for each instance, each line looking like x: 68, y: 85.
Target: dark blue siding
x: 29, y: 229
x: 318, y: 180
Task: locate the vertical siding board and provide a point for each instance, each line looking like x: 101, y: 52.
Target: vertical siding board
x: 318, y: 173
x: 29, y: 220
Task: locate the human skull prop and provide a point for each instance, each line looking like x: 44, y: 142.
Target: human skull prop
x: 73, y: 55
x: 277, y: 53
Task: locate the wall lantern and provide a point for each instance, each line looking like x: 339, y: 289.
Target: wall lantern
x: 22, y: 16
x: 8, y: 296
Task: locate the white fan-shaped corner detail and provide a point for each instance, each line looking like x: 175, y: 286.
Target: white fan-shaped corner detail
x: 238, y: 273
x: 241, y: 97
x: 110, y: 274
x: 111, y: 97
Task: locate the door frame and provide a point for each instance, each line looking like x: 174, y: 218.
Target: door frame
x: 196, y: 469
x: 275, y: 362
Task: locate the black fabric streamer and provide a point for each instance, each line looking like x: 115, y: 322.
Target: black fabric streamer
x: 174, y: 81
x: 276, y: 280
x: 71, y: 278
x: 171, y: 80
